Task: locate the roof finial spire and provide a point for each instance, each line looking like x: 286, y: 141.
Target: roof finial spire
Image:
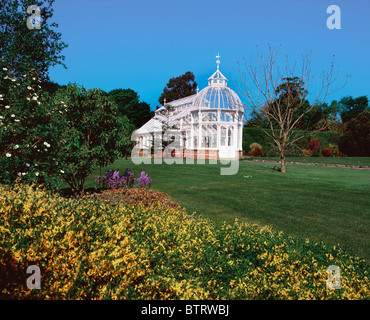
x: 218, y: 61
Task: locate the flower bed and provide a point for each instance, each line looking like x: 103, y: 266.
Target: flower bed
x: 89, y: 249
x: 135, y: 197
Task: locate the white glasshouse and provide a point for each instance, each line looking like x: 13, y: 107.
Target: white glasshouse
x: 209, y: 122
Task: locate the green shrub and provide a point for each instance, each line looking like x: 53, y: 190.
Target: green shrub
x: 356, y: 140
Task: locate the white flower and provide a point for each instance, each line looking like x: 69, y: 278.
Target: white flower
x: 23, y: 173
x: 37, y: 174
x: 13, y: 115
x: 16, y: 146
x: 5, y: 69
x: 8, y: 155
x: 46, y: 144
x: 19, y: 174
x: 29, y: 88
x: 34, y: 98
x: 16, y: 120
x: 61, y: 171
x: 28, y: 98
x: 33, y: 78
x: 1, y: 117
x: 7, y: 107
x: 27, y: 164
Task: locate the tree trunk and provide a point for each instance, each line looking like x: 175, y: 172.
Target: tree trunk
x: 282, y: 161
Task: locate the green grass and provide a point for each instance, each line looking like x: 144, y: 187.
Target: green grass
x: 354, y: 161
x: 318, y: 203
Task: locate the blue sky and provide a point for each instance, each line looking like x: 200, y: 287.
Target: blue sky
x: 141, y: 44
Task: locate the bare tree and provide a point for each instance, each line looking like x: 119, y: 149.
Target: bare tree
x: 280, y: 95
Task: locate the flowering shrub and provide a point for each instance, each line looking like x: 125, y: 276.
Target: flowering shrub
x: 46, y: 139
x: 89, y: 249
x: 113, y: 180
x: 256, y: 149
x: 335, y: 150
x: 27, y: 130
x: 307, y: 153
x: 326, y: 152
x: 314, y: 145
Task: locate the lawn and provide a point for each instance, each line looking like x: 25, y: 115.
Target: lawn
x: 318, y: 203
x: 351, y: 161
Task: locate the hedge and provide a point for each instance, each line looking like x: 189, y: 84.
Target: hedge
x: 255, y: 134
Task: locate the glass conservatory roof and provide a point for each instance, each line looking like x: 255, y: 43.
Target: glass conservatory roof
x: 217, y: 97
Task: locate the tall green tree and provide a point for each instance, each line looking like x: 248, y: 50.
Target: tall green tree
x: 355, y: 141
x: 28, y: 125
x: 179, y: 87
x: 24, y: 49
x: 91, y: 133
x: 351, y: 107
x: 129, y: 105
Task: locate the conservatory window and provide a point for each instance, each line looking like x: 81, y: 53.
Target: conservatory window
x: 223, y: 136
x: 213, y: 142
x: 195, y: 116
x: 209, y: 116
x: 230, y: 136
x: 225, y: 116
x: 205, y: 137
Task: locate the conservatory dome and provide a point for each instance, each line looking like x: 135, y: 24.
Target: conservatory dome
x: 217, y: 95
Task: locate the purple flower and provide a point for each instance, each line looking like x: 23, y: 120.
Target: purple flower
x: 144, y: 180
x: 113, y: 179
